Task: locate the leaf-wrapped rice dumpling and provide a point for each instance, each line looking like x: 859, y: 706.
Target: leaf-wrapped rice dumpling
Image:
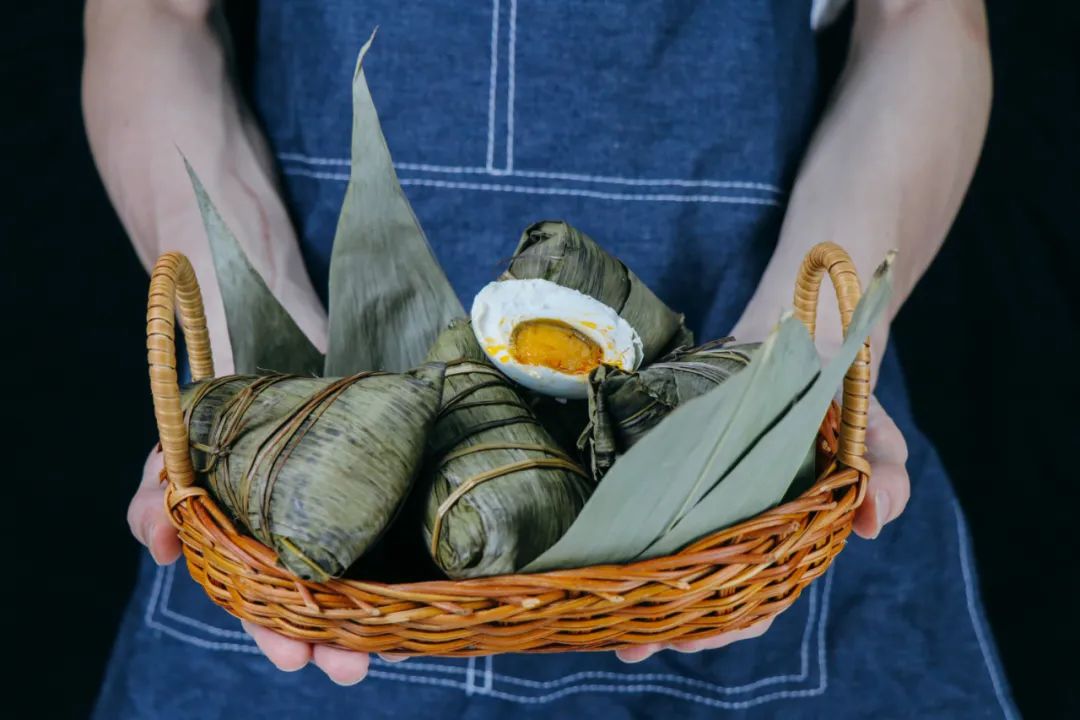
x: 499, y: 489
x: 315, y: 468
x: 563, y: 307
x: 624, y: 406
x: 562, y: 254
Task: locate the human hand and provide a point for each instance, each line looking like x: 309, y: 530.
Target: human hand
x: 885, y: 499
x: 886, y: 449
x: 887, y: 494
x: 642, y: 652
x: 890, y: 486
x: 151, y: 526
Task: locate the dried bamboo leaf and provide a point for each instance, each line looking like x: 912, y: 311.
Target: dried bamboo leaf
x: 625, y: 406
x: 316, y: 468
x: 262, y: 334
x: 670, y: 468
x: 499, y: 489
x: 389, y: 298
x: 560, y: 253
x: 762, y: 477
x: 565, y: 420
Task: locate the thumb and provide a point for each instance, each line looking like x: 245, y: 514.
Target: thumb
x: 890, y: 486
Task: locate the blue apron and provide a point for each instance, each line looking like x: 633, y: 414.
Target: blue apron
x: 671, y: 132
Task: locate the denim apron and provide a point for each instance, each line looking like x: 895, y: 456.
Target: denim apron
x: 670, y: 131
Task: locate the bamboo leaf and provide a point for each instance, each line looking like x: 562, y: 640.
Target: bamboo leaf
x: 388, y: 296
x: 670, y: 468
x: 762, y: 477
x: 262, y: 333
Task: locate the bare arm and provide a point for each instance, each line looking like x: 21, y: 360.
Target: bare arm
x: 887, y: 168
x: 891, y: 159
x: 155, y: 79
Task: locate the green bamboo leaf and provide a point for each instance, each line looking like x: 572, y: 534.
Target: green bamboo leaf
x: 262, y: 333
x: 762, y: 477
x: 670, y: 468
x: 389, y: 298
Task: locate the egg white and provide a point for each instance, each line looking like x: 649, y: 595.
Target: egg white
x: 502, y: 305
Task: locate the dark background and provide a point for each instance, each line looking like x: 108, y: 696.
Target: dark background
x: 989, y: 341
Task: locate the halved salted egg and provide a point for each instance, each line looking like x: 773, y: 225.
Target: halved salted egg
x: 548, y: 338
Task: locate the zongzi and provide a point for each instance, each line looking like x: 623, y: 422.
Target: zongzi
x: 624, y: 406
x: 499, y: 489
x: 563, y: 307
x: 315, y: 468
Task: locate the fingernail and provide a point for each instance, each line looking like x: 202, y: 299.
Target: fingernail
x: 881, y: 504
x: 634, y: 659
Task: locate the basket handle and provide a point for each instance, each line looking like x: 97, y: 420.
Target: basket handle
x: 175, y: 290
x: 831, y: 257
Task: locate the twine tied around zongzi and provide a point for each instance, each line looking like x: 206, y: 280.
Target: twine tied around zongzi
x: 704, y: 370
x: 556, y: 459
x: 275, y: 448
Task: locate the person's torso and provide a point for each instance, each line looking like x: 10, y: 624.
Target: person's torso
x: 669, y: 131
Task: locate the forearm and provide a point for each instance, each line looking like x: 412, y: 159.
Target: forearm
x: 155, y: 80
x: 894, y: 153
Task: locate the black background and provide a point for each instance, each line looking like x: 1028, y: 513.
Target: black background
x: 989, y: 341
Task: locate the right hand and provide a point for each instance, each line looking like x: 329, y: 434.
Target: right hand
x: 151, y: 526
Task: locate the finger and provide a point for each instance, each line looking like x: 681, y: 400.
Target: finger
x: 142, y: 512
x: 890, y: 486
x: 884, y: 440
x: 885, y: 499
x: 638, y: 653
x: 146, y: 514
x: 140, y: 509
x: 718, y: 641
x: 164, y: 541
x: 288, y: 655
x: 344, y: 667
x: 391, y: 658
x: 150, y: 525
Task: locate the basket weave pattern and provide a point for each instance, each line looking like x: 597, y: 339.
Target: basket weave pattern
x: 726, y: 581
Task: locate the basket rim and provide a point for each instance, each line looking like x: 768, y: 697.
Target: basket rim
x: 832, y: 478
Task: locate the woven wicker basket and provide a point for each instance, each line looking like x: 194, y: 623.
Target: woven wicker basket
x: 726, y: 581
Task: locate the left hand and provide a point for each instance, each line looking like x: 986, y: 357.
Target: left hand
x: 886, y: 496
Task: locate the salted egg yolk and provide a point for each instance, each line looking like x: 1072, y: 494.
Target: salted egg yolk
x: 556, y: 345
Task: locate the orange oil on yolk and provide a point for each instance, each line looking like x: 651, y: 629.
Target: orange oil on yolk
x: 554, y: 344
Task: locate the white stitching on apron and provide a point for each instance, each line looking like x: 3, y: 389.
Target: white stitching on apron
x: 969, y: 594
x: 538, y: 174
x: 538, y: 190
x: 627, y: 682
x: 492, y: 83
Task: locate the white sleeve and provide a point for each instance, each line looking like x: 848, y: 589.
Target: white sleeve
x: 823, y: 12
